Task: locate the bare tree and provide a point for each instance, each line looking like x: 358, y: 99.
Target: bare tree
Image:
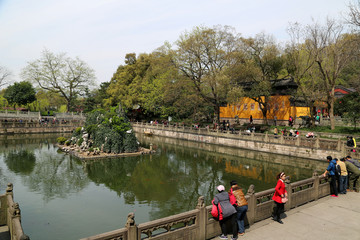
x: 4, y: 76
x: 353, y: 17
x: 60, y: 74
x: 331, y: 49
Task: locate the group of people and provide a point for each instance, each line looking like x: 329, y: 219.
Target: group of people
x: 344, y: 175
x: 284, y: 132
x: 232, y: 206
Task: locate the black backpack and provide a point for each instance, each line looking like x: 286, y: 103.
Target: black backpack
x: 337, y: 170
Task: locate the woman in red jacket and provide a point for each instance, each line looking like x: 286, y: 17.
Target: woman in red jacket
x: 279, y: 197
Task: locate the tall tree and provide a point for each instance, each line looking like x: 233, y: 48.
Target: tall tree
x: 60, y: 74
x: 331, y: 50
x: 203, y: 56
x: 262, y: 64
x: 300, y: 65
x: 20, y: 93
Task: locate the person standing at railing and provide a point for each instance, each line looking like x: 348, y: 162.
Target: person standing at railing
x: 227, y: 212
x: 280, y: 197
x: 343, y: 175
x: 331, y: 171
x: 237, y: 199
x: 354, y: 174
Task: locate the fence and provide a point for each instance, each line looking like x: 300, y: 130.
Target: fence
x: 10, y: 215
x: 198, y: 223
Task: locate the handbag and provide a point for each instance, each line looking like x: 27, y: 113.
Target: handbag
x: 214, y: 210
x: 284, y: 199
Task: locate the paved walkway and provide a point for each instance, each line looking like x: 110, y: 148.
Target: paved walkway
x: 328, y: 218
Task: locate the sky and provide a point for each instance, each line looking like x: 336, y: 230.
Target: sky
x: 102, y: 32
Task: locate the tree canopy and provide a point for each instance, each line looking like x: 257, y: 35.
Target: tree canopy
x: 60, y: 74
x: 20, y: 93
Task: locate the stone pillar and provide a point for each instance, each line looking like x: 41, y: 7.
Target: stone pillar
x: 289, y: 192
x: 317, y: 143
x: 316, y: 186
x: 281, y: 139
x: 202, y: 218
x: 266, y: 139
x: 151, y: 147
x: 251, y: 205
x: 131, y: 227
x: 338, y: 147
x: 252, y: 136
x: 298, y: 141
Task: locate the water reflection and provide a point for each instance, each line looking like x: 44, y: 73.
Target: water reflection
x: 91, y: 197
x: 20, y: 161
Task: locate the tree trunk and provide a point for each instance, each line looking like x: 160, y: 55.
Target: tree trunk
x: 331, y: 110
x: 217, y: 113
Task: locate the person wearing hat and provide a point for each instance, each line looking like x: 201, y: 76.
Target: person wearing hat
x: 279, y: 195
x: 237, y: 199
x: 227, y: 212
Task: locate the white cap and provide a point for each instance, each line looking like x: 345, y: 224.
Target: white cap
x: 220, y: 188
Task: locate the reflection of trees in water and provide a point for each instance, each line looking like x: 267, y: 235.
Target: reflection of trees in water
x: 56, y: 176
x: 20, y: 161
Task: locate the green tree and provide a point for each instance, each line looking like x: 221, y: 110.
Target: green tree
x: 261, y: 64
x: 60, y: 74
x: 203, y: 56
x: 20, y: 93
x: 349, y: 107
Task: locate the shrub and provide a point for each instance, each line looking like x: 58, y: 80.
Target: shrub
x: 61, y: 140
x: 80, y: 141
x: 68, y: 142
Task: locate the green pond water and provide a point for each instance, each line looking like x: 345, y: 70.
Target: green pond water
x: 62, y: 197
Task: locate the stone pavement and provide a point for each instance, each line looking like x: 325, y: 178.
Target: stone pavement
x: 328, y: 218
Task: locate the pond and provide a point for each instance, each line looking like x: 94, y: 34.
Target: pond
x: 62, y: 197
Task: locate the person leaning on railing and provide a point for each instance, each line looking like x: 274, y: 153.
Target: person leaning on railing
x: 238, y: 200
x: 331, y: 171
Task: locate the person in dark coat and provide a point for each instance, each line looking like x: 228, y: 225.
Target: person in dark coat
x: 227, y: 212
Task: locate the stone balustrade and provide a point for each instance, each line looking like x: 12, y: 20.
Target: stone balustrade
x: 10, y: 215
x: 26, y: 126
x: 314, y: 148
x: 198, y: 224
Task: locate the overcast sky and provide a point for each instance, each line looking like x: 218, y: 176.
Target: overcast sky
x: 101, y: 32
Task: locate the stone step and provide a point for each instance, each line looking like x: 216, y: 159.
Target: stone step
x: 4, y: 233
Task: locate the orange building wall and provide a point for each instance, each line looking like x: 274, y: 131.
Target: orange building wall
x: 279, y: 106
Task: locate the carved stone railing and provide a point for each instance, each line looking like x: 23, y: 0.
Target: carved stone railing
x: 11, y: 215
x: 311, y: 147
x: 198, y: 223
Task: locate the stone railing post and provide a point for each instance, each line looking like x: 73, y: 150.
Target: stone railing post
x: 316, y: 185
x: 202, y: 218
x: 317, y: 143
x: 338, y: 147
x: 298, y: 141
x: 252, y: 136
x: 131, y: 227
x: 281, y: 139
x: 289, y: 192
x: 266, y: 138
x: 251, y: 205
